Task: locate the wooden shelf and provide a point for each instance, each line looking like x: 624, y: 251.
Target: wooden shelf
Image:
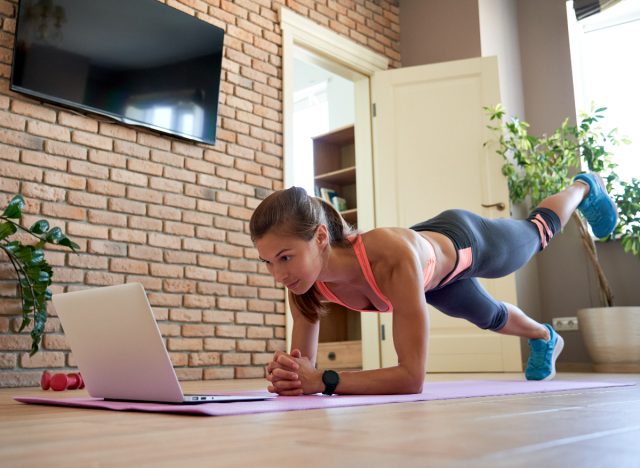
x: 350, y: 216
x: 341, y: 176
x: 340, y: 136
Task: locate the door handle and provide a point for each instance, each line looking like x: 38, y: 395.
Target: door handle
x: 500, y: 206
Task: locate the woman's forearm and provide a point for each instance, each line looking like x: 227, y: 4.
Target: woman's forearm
x: 387, y: 381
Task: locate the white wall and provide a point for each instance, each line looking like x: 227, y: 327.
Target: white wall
x: 499, y: 37
x: 546, y: 64
x: 434, y: 31
x: 341, y: 94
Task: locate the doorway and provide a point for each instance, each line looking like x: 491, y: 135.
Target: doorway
x: 323, y: 143
x: 320, y: 65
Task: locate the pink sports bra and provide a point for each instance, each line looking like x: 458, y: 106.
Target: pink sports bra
x: 363, y: 260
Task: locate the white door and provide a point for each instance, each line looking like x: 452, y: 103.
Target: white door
x: 428, y: 156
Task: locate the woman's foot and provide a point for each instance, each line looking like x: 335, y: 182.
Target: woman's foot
x: 542, y: 358
x: 598, y: 208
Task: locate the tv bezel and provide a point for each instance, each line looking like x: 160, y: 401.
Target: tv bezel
x: 82, y: 109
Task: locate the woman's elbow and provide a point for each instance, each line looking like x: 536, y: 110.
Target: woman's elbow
x: 414, y: 384
x: 412, y: 379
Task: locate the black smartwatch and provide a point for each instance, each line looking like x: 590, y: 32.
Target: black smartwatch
x: 330, y: 379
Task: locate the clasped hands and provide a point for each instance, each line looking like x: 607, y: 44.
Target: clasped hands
x: 293, y: 375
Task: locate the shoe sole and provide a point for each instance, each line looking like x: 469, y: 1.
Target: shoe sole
x: 556, y: 352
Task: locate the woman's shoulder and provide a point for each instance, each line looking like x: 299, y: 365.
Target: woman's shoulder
x: 388, y: 242
x: 387, y: 233
x: 392, y: 253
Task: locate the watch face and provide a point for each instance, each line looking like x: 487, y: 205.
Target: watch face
x: 330, y: 377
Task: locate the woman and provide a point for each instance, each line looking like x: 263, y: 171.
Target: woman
x: 308, y: 248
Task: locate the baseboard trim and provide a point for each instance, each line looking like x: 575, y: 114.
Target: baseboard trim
x: 574, y: 367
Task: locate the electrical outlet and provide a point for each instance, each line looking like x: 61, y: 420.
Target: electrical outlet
x: 565, y: 323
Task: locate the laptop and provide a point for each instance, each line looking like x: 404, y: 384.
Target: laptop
x: 120, y: 352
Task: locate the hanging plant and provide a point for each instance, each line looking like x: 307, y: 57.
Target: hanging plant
x: 28, y: 260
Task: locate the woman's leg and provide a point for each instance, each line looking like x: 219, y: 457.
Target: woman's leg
x: 590, y: 193
x: 502, y: 247
x: 467, y: 299
x: 565, y: 203
x: 520, y: 324
x: 506, y: 245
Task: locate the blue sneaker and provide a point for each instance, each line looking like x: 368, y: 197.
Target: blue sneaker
x: 542, y: 359
x: 598, y: 208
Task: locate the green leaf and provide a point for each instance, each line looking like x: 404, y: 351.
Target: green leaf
x: 23, y: 253
x: 6, y: 230
x: 14, y: 208
x: 12, y: 246
x: 54, y: 235
x: 65, y: 241
x: 25, y: 323
x: 40, y: 227
x: 37, y: 257
x: 46, y: 267
x: 43, y: 277
x: 27, y: 306
x: 34, y: 344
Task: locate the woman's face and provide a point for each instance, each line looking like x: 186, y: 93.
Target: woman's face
x: 296, y: 263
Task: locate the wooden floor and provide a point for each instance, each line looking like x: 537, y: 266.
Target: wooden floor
x: 586, y: 428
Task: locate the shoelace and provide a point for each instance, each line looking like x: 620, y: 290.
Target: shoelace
x: 592, y: 214
x: 538, y: 356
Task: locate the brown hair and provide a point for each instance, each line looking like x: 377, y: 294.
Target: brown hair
x: 293, y: 212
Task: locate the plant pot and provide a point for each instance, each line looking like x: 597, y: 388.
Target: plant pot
x: 612, y: 337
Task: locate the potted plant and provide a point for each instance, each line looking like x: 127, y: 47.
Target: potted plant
x: 34, y: 274
x: 537, y: 167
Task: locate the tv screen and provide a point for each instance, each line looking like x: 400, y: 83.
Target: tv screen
x: 137, y: 61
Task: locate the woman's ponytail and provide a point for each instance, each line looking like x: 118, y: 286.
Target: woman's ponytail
x: 339, y: 230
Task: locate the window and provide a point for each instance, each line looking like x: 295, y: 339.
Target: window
x: 610, y: 73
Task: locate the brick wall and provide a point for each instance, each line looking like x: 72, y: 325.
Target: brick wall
x: 170, y: 214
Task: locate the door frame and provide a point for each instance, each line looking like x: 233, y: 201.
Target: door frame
x: 344, y: 57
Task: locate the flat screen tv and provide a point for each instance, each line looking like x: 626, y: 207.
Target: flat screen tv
x: 137, y: 61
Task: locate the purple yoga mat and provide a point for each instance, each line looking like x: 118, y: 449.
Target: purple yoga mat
x: 431, y: 391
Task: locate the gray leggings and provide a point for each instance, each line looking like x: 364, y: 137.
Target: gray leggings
x: 498, y: 247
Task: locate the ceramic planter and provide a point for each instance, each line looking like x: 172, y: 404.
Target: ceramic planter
x: 612, y: 337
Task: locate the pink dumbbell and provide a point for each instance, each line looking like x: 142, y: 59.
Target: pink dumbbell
x: 58, y: 382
